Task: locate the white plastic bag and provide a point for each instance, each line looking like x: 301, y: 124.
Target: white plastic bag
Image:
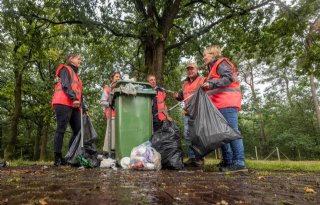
x: 145, y: 157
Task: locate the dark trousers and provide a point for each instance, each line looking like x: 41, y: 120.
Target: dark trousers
x: 66, y: 115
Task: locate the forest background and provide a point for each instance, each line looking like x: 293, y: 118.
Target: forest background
x: 274, y: 44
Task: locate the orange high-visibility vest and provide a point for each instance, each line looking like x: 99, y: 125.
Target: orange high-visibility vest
x: 226, y: 96
x: 113, y: 113
x: 188, y: 88
x: 59, y: 96
x: 162, y: 109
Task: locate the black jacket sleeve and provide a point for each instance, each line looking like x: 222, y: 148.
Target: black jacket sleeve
x: 66, y: 85
x: 225, y: 72
x: 180, y: 95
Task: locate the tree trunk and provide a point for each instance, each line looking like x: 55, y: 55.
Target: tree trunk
x: 1, y: 137
x: 287, y: 89
x: 44, y: 141
x: 8, y: 153
x: 315, y: 100
x: 256, y: 106
x: 36, y: 147
x: 154, y: 54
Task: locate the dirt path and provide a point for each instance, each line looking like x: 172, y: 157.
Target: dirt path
x: 50, y: 185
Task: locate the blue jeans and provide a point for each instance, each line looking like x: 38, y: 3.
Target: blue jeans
x: 233, y: 152
x: 187, y: 138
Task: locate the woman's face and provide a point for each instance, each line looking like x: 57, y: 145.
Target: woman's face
x: 76, y: 61
x: 207, y: 57
x: 116, y: 77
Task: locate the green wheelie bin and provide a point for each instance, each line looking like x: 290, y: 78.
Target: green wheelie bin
x: 133, y: 121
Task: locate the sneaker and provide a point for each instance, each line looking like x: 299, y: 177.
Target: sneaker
x: 234, y: 168
x: 189, y: 162
x: 198, y: 162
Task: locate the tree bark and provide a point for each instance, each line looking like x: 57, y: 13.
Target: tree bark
x: 36, y: 147
x: 314, y: 27
x: 44, y: 142
x: 256, y: 106
x: 287, y: 88
x: 1, y: 137
x: 315, y: 100
x: 8, y: 153
x: 154, y: 55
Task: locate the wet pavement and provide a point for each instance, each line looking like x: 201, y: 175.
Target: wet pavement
x: 66, y: 185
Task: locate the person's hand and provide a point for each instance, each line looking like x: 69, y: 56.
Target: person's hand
x: 169, y: 118
x: 76, y: 103
x: 175, y: 95
x: 205, y: 86
x: 86, y: 113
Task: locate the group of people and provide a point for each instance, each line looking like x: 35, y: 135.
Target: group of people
x: 222, y: 86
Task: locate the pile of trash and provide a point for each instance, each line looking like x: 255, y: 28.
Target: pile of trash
x: 142, y: 157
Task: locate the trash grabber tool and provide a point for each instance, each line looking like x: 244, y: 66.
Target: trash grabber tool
x: 176, y: 105
x: 81, y: 129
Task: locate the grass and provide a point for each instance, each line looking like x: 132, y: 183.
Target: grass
x: 274, y: 165
x: 21, y: 162
x: 210, y: 164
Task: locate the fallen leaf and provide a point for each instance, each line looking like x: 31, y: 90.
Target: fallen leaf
x: 309, y: 190
x: 42, y: 202
x: 222, y: 202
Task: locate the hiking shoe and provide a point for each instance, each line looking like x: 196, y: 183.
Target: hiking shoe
x: 189, y: 162
x: 223, y: 164
x: 234, y: 168
x: 198, y: 162
x: 59, y: 160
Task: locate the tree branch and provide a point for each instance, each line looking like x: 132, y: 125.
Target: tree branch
x: 106, y: 26
x: 140, y: 8
x: 209, y: 27
x: 70, y: 22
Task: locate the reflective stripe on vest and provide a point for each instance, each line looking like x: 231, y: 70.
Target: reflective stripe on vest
x: 226, y: 96
x: 162, y: 109
x: 113, y: 113
x: 59, y: 96
x: 219, y: 90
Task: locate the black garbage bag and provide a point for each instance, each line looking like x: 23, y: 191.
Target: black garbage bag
x: 86, y: 156
x: 168, y: 143
x: 3, y: 164
x: 208, y: 129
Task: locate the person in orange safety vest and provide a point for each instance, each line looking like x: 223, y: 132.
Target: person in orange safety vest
x: 193, y: 82
x: 66, y: 102
x: 159, y: 108
x: 105, y: 103
x: 223, y: 87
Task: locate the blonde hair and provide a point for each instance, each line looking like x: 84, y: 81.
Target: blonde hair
x: 70, y: 56
x: 214, y: 49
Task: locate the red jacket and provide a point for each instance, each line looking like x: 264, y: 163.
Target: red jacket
x: 59, y: 96
x: 226, y: 96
